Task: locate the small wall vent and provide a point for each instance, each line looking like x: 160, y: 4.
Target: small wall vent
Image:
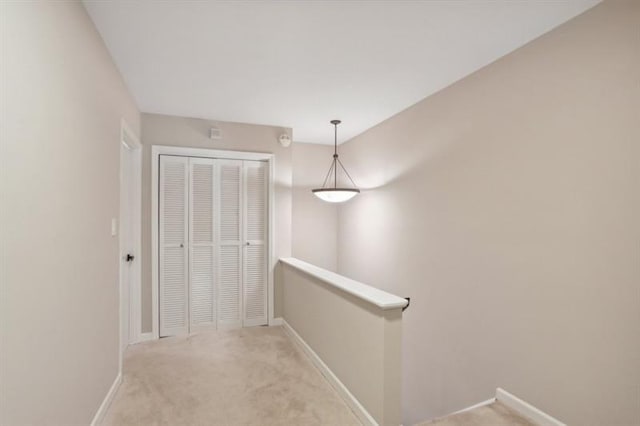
x: 215, y: 134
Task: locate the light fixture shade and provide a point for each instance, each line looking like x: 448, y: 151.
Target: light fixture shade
x: 336, y: 195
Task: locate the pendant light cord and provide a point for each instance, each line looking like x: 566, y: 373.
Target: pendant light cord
x: 346, y: 172
x: 336, y: 161
x: 326, y: 178
x: 335, y: 154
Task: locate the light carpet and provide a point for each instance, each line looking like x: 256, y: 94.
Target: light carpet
x: 495, y: 414
x: 249, y: 376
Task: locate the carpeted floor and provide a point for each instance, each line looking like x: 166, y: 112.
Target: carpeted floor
x: 249, y: 376
x: 496, y: 414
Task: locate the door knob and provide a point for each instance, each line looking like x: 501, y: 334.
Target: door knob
x: 129, y: 257
x: 248, y: 243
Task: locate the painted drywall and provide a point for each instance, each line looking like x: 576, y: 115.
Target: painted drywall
x: 359, y: 342
x: 62, y: 104
x: 193, y: 132
x: 314, y: 222
x: 506, y: 206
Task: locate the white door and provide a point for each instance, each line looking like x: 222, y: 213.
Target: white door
x: 213, y: 243
x: 255, y: 248
x: 202, y: 306
x: 128, y: 230
x: 173, y: 223
x: 125, y: 242
x: 229, y: 254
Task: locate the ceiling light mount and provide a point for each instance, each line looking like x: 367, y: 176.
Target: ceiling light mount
x: 333, y: 194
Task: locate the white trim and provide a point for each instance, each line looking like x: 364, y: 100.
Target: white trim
x: 361, y: 413
x: 377, y: 297
x: 527, y: 410
x: 128, y: 136
x: 106, y: 402
x: 145, y: 337
x: 156, y: 151
x: 273, y: 260
x: 273, y: 322
x: 155, y: 324
x: 473, y: 407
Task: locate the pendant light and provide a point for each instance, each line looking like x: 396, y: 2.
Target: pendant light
x: 333, y: 194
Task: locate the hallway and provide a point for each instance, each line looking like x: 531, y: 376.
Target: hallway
x: 243, y: 376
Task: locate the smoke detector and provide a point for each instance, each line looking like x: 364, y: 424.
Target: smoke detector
x: 284, y: 140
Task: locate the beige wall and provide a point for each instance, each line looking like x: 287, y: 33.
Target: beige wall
x: 315, y: 222
x: 192, y: 132
x: 507, y: 207
x: 62, y: 102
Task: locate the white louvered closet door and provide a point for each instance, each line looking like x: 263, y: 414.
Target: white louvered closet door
x: 255, y: 247
x: 202, y: 306
x: 173, y: 222
x: 229, y: 254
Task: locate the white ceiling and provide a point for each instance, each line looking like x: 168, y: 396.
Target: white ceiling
x: 300, y: 64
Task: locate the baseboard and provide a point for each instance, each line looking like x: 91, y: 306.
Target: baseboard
x: 144, y: 337
x: 275, y: 321
x: 478, y: 405
x: 357, y: 408
x: 526, y: 409
x: 97, y: 419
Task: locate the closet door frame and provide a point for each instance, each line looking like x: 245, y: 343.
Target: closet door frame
x: 156, y: 152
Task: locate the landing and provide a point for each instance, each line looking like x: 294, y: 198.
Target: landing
x: 247, y: 376
x: 496, y: 414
